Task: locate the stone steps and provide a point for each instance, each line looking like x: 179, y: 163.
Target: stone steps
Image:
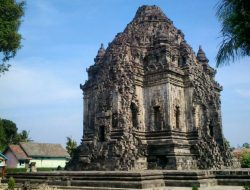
x: 148, y: 179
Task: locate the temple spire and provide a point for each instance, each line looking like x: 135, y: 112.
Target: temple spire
x: 201, y: 56
x: 100, y: 53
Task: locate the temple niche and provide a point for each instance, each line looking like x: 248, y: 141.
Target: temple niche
x: 151, y: 103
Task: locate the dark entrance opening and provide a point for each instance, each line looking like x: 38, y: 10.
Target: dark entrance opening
x: 183, y: 61
x: 157, y: 117
x: 162, y: 161
x: 102, y: 133
x: 211, y: 130
x: 134, y: 112
x: 177, y: 117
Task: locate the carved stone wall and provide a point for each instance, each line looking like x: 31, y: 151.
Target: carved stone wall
x: 151, y: 103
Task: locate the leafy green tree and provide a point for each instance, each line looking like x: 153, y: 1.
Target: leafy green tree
x: 10, y: 130
x: 2, y: 136
x: 10, y: 40
x: 71, y: 145
x: 9, y: 134
x: 234, y: 16
x: 245, y: 160
x: 22, y: 137
x: 246, y: 145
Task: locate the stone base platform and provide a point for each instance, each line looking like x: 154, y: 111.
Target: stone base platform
x: 148, y: 179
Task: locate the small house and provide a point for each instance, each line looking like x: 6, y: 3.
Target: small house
x: 45, y: 155
x: 17, y: 157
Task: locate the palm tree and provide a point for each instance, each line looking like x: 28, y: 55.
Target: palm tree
x: 24, y: 136
x: 71, y: 145
x: 234, y: 16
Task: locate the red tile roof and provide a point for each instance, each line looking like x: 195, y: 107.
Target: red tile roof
x: 28, y: 150
x: 33, y: 149
x: 18, y: 152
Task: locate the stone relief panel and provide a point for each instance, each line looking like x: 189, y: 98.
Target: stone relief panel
x: 177, y: 108
x: 198, y: 116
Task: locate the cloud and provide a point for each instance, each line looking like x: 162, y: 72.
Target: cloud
x: 25, y: 86
x: 43, y: 96
x: 245, y: 93
x: 55, y: 127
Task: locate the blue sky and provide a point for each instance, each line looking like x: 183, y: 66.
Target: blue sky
x: 41, y: 91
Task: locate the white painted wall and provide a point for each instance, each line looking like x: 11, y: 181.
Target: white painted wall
x: 2, y: 163
x: 49, y: 162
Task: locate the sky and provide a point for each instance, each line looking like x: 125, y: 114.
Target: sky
x: 41, y: 91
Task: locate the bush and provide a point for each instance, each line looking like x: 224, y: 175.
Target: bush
x: 45, y: 169
x: 245, y: 160
x: 247, y: 187
x: 11, y: 183
x: 195, y: 187
x: 15, y: 170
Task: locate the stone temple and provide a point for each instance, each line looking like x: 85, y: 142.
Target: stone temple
x: 150, y: 102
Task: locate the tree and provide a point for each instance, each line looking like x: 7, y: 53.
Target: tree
x: 71, y: 145
x: 24, y: 136
x: 234, y: 16
x: 9, y: 134
x: 245, y: 160
x: 2, y: 136
x: 246, y: 145
x: 10, y: 131
x: 10, y: 40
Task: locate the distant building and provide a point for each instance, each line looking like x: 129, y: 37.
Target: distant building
x: 43, y: 154
x: 17, y: 156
